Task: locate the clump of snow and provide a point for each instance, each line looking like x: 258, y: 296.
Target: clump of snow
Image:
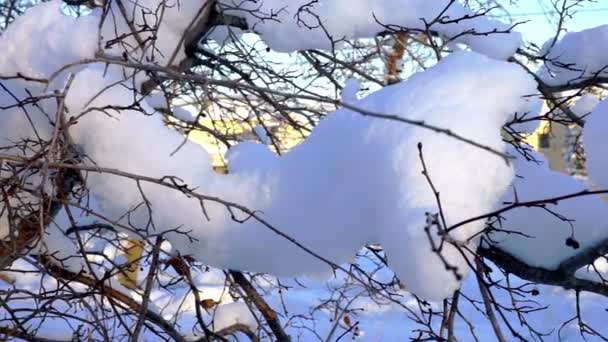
x: 577, y: 56
x: 355, y: 180
x: 170, y: 18
x: 585, y: 105
x: 42, y: 28
x: 183, y: 114
x: 299, y: 25
x: 250, y: 156
x: 598, y: 271
x: 583, y: 219
x: 157, y: 100
x: 223, y: 34
x: 594, y: 140
x: 227, y: 315
x: 349, y: 92
x: 48, y: 33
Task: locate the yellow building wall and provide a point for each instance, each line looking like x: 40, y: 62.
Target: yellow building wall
x: 550, y: 141
x: 286, y: 137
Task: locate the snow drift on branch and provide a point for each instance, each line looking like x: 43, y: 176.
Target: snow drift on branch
x: 595, y: 143
x: 302, y: 24
x: 576, y: 57
x: 563, y: 228
x: 355, y: 180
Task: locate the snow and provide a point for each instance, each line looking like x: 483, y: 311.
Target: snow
x: 385, y: 321
x: 319, y: 25
x: 598, y: 271
x: 170, y: 19
x: 349, y: 92
x: 583, y: 218
x: 249, y: 157
x: 584, y: 105
x: 157, y: 100
x: 45, y: 28
x: 230, y: 314
x: 594, y: 140
x: 299, y: 25
x: 354, y: 180
x: 576, y: 57
x: 224, y: 35
x: 183, y: 114
x: 525, y: 119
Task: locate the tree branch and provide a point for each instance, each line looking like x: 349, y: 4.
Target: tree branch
x: 269, y: 315
x: 558, y: 277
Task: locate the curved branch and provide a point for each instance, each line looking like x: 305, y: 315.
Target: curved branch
x: 559, y: 277
x: 269, y: 315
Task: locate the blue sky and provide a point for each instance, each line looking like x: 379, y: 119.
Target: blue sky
x: 539, y: 27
